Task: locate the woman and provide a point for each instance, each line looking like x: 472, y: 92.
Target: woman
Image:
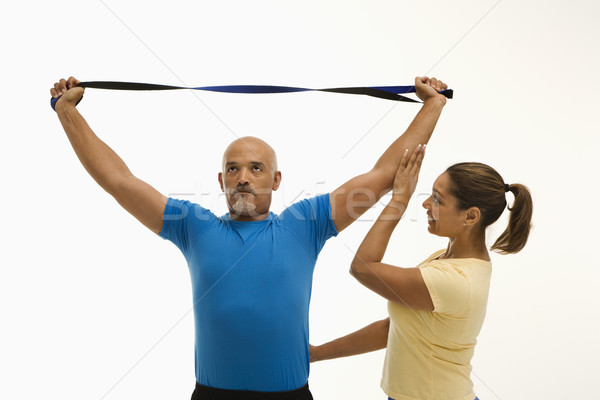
x: 437, y: 308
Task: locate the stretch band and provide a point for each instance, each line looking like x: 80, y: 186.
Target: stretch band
x: 382, y: 92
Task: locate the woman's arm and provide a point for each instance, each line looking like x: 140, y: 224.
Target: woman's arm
x: 400, y: 285
x: 370, y: 338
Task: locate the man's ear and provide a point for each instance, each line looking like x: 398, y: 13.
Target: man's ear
x: 221, y: 181
x: 276, y: 180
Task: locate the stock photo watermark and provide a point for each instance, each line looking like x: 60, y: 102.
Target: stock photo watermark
x: 363, y: 205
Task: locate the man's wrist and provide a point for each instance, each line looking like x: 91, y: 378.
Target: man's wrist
x: 315, y: 354
x: 63, y: 106
x: 438, y: 100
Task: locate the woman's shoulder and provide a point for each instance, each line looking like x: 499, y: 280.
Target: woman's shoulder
x: 437, y: 261
x: 433, y: 257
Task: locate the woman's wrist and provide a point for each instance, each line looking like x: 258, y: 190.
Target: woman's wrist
x: 394, y: 209
x: 399, y: 201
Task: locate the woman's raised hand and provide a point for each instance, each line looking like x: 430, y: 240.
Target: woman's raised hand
x: 407, y: 175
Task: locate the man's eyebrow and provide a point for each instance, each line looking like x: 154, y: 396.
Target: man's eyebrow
x: 251, y: 162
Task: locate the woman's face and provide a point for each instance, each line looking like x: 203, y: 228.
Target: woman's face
x: 443, y: 216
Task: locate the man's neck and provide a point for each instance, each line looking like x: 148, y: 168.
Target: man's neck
x: 248, y: 218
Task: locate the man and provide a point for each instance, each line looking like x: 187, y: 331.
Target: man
x: 251, y: 270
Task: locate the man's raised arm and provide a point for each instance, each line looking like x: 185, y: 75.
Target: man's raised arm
x: 353, y: 198
x: 104, y: 165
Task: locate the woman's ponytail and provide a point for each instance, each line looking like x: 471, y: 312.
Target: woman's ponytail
x: 514, y: 238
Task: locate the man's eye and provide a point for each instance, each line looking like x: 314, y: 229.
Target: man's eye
x: 230, y: 169
x: 435, y: 199
x: 257, y: 168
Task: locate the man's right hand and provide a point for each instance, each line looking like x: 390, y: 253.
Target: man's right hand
x: 430, y: 88
x: 68, y: 91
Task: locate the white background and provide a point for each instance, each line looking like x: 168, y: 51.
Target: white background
x: 92, y: 305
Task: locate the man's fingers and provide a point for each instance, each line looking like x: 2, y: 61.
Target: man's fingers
x: 438, y: 85
x: 422, y: 79
x: 63, y: 85
x: 72, y: 82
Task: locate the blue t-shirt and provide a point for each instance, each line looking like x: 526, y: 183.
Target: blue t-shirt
x: 251, y: 284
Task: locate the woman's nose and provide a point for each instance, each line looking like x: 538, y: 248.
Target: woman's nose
x: 427, y: 203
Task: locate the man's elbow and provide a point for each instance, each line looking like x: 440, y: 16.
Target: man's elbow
x: 383, y: 175
x: 386, y: 324
x: 117, y: 185
x: 359, y: 268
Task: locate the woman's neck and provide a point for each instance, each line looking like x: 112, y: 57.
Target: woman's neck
x: 464, y: 246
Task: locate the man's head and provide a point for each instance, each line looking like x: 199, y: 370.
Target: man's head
x: 248, y: 178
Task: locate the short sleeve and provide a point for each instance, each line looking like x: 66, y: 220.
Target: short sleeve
x: 183, y: 221
x: 310, y: 219
x: 448, y: 287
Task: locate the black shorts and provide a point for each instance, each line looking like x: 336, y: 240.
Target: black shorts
x: 208, y: 393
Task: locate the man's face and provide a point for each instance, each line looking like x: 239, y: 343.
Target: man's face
x: 248, y: 179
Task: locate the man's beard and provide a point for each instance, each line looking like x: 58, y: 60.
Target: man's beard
x: 243, y: 205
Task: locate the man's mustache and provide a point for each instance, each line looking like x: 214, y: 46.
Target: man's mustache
x: 244, y: 189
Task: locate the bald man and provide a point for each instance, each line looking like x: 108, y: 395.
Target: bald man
x: 251, y: 269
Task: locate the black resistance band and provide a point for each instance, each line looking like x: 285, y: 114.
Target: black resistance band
x: 382, y: 92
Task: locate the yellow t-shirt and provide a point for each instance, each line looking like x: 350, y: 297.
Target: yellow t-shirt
x: 429, y: 352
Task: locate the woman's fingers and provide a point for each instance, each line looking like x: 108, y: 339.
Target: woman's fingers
x: 416, y: 167
x: 407, y: 175
x: 413, y: 157
x: 412, y: 165
x: 407, y: 162
x: 404, y: 159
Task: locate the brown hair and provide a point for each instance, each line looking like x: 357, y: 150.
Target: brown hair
x: 479, y: 185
